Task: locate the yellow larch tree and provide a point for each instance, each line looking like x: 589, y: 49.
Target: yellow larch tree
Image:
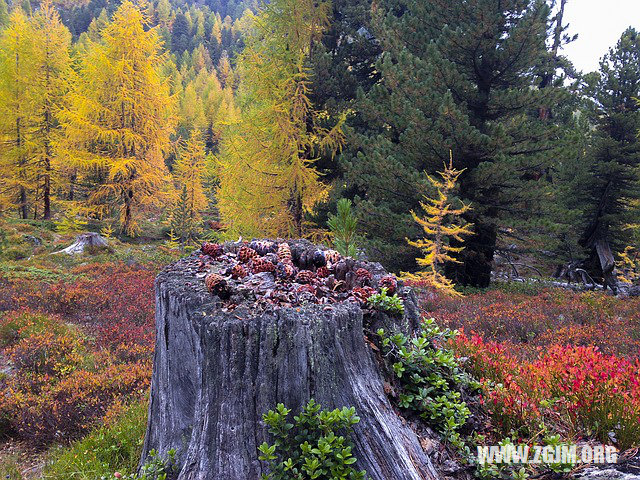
x: 189, y: 171
x: 441, y: 224
x: 17, y: 113
x: 266, y: 173
x: 190, y: 201
x: 50, y: 83
x: 121, y: 116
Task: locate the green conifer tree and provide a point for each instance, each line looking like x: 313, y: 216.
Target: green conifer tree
x: 609, y: 187
x: 343, y: 228
x: 461, y: 76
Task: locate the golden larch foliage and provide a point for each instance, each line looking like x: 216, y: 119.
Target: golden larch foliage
x: 266, y: 172
x: 51, y: 82
x: 189, y: 172
x: 441, y: 223
x: 120, y: 118
x: 17, y: 113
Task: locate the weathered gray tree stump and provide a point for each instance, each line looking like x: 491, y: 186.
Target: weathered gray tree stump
x: 83, y: 241
x: 216, y: 372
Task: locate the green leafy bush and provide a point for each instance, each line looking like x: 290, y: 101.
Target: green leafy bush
x: 316, y: 446
x: 157, y: 467
x: 430, y: 377
x: 390, y: 304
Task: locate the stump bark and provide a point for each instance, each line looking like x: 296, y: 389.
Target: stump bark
x: 83, y: 241
x: 216, y: 371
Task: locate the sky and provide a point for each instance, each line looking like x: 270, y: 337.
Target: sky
x: 599, y: 24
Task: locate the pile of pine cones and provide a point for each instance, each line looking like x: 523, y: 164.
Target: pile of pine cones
x: 294, y: 274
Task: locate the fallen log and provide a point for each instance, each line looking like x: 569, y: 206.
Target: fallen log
x: 263, y: 338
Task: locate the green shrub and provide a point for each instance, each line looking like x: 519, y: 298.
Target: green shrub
x: 430, y: 378
x: 3, y: 240
x: 317, y: 446
x: 115, y: 447
x: 390, y: 304
x: 16, y: 252
x: 16, y: 326
x: 157, y: 467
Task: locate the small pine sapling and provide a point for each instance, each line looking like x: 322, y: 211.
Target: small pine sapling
x: 343, y: 228
x: 441, y: 224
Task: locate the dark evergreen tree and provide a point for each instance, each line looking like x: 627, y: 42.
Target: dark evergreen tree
x: 609, y: 188
x: 343, y: 62
x: 460, y: 76
x: 180, y: 34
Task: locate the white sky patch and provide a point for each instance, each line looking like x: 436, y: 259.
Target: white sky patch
x: 599, y: 24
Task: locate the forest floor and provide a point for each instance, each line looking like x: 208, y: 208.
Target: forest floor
x: 76, y: 344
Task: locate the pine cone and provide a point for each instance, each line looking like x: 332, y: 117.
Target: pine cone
x: 262, y: 247
x: 286, y: 271
x: 323, y: 272
x: 306, y: 288
x: 390, y: 283
x: 238, y: 271
x: 363, y: 275
x: 331, y: 256
x: 212, y: 249
x: 245, y: 254
x: 304, y: 276
x: 318, y: 259
x: 216, y: 284
x: 260, y: 265
x: 362, y: 294
x: 284, y: 253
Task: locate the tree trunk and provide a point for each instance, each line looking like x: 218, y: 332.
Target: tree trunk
x: 216, y: 372
x: 476, y: 258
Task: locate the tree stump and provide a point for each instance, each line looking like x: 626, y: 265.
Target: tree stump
x: 221, y: 361
x: 85, y: 240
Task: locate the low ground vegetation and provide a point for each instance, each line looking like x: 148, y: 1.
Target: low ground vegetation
x: 76, y: 342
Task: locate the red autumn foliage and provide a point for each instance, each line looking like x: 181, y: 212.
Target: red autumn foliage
x: 74, y: 347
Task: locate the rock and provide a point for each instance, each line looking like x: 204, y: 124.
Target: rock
x: 35, y: 241
x: 84, y: 240
x: 217, y: 370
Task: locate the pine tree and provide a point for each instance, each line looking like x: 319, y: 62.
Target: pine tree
x: 610, y: 187
x: 120, y: 117
x: 17, y: 112
x: 267, y: 174
x: 50, y: 85
x: 441, y: 225
x: 343, y: 227
x: 455, y: 75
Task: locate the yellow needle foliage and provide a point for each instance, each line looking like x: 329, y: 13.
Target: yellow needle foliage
x: 121, y: 116
x: 266, y: 172
x: 51, y: 84
x: 189, y: 172
x: 17, y: 112
x: 441, y: 224
x: 629, y: 265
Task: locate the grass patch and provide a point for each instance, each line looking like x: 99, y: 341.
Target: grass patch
x: 116, y: 446
x: 9, y: 468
